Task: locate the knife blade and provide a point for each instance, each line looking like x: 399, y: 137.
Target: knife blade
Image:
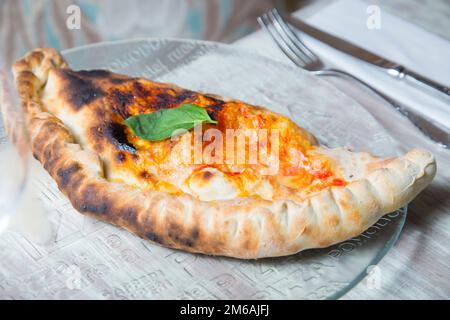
x: 394, y: 69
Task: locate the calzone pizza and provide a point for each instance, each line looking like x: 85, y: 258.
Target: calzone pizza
x: 199, y: 172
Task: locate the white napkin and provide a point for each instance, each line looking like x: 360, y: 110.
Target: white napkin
x: 397, y: 40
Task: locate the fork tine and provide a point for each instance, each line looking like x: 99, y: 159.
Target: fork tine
x: 266, y: 22
x: 288, y: 41
x: 284, y: 42
x: 294, y: 38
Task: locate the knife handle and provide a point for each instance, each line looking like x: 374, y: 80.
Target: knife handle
x: 400, y: 72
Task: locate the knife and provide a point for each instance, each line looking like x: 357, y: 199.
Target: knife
x: 393, y: 69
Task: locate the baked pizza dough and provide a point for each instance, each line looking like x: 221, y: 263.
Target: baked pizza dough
x: 318, y: 196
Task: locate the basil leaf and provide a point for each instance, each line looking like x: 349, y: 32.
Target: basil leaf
x: 161, y: 124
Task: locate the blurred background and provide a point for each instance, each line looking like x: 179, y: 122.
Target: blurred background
x: 26, y: 24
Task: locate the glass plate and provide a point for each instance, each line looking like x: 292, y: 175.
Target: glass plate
x: 91, y: 259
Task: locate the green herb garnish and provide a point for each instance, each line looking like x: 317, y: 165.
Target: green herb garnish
x: 161, y: 124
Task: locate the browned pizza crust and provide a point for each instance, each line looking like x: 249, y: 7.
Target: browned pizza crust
x: 248, y: 227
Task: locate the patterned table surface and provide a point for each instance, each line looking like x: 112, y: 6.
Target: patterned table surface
x: 418, y: 266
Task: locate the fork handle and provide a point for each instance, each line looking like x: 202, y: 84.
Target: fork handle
x: 432, y: 129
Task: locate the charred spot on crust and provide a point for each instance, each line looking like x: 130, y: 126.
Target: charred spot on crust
x: 91, y: 202
x: 187, y: 242
x: 49, y: 162
x: 175, y: 234
x: 95, y: 73
x: 76, y: 181
x: 121, y: 157
x: 145, y: 174
x: 119, y: 80
x: 214, y: 99
x: 195, y: 233
x: 214, y: 109
x: 120, y: 102
x: 147, y: 97
x: 165, y: 100
x: 129, y: 214
x: 154, y: 237
x: 66, y: 174
x: 101, y: 73
x: 94, y: 208
x: 81, y: 90
x: 85, y: 96
x: 139, y: 90
x: 115, y: 133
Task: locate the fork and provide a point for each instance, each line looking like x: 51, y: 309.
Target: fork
x: 295, y: 49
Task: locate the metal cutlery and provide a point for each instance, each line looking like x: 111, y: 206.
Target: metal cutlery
x: 295, y: 49
x: 391, y: 68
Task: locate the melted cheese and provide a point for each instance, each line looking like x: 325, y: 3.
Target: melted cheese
x: 300, y: 170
